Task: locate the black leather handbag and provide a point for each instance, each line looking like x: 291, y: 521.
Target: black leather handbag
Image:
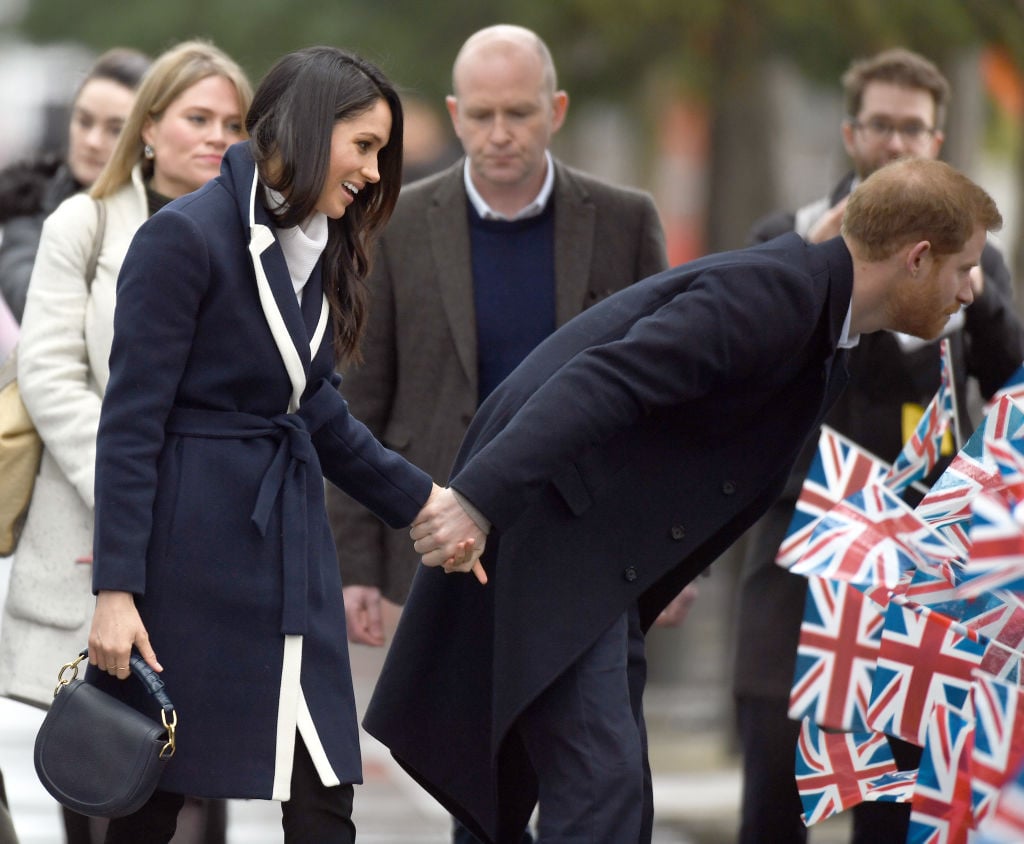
x: 97, y: 755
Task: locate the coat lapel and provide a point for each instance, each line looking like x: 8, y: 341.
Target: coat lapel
x: 574, y: 244
x: 296, y: 334
x: 449, y: 238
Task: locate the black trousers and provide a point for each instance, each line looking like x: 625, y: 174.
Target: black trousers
x: 770, y: 806
x: 315, y: 814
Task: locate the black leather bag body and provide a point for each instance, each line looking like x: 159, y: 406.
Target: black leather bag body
x: 95, y: 754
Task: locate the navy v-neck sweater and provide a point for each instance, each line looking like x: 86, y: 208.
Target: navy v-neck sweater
x: 513, y: 264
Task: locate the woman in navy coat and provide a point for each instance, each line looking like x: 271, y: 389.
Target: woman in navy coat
x: 220, y: 421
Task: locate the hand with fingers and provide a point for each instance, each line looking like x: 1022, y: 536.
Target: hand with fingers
x: 829, y: 225
x: 116, y: 628
x: 444, y: 534
x: 363, y: 616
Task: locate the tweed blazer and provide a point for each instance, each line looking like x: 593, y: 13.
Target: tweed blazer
x: 62, y: 372
x: 417, y: 390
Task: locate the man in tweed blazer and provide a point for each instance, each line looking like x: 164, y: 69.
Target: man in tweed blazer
x: 477, y: 265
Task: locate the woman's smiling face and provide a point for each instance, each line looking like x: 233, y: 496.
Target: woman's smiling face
x: 355, y: 145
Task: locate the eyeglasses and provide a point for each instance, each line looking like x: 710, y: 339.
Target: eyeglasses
x: 880, y: 129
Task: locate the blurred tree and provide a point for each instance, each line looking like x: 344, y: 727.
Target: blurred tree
x: 714, y: 51
x: 719, y: 49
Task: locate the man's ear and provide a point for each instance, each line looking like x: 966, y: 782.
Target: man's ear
x: 452, y: 104
x: 559, y: 107
x: 917, y: 255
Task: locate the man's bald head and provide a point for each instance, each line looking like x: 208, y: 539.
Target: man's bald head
x: 508, y: 39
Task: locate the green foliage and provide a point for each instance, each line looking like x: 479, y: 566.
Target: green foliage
x: 603, y: 47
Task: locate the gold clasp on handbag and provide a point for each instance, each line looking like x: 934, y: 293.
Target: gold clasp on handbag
x: 67, y: 666
x: 167, y: 751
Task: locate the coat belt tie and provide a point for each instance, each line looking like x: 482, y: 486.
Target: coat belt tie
x: 285, y: 479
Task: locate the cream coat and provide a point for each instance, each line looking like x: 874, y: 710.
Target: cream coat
x: 62, y: 372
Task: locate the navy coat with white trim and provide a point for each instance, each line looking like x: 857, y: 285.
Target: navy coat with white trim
x: 616, y: 462
x: 219, y: 423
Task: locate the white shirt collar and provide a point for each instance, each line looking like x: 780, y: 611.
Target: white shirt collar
x: 532, y: 209
x: 302, y: 244
x: 845, y: 340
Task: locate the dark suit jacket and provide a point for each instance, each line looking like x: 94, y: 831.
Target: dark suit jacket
x: 417, y: 389
x: 616, y: 462
x: 883, y: 378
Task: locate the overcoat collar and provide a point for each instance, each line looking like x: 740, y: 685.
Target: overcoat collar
x: 297, y: 333
x: 449, y: 237
x: 840, y: 272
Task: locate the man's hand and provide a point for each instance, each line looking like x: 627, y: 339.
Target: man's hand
x: 828, y: 226
x: 116, y: 626
x: 675, y: 613
x: 444, y: 534
x: 363, y: 615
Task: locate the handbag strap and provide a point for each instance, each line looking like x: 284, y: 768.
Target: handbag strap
x: 97, y: 242
x: 149, y: 678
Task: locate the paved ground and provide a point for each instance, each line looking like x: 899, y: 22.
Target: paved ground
x: 696, y: 778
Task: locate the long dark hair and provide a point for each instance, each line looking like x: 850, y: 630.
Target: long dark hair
x: 123, y: 65
x: 290, y: 123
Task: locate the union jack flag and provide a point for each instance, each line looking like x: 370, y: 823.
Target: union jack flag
x: 833, y: 769
x: 1005, y: 824
x: 922, y: 451
x: 1008, y: 455
x: 835, y: 661
x: 897, y: 787
x: 998, y: 740
x: 937, y: 592
x: 1001, y: 626
x: 866, y: 540
x: 935, y: 555
x: 946, y: 507
x: 997, y: 547
x: 924, y: 659
x: 941, y: 811
x: 840, y: 468
x: 1012, y: 389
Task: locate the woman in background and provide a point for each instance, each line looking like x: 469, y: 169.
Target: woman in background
x: 30, y: 191
x: 189, y: 108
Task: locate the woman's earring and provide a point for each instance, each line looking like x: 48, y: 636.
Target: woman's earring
x: 147, y: 151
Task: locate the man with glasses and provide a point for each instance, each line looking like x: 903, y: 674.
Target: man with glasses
x: 895, y: 106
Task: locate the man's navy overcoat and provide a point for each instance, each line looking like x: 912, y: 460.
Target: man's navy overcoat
x: 621, y: 457
x: 219, y: 423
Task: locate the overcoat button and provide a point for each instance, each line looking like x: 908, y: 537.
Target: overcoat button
x: 467, y: 418
x: 678, y: 532
x: 630, y: 574
x: 728, y: 488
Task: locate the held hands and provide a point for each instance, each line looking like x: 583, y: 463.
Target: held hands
x: 116, y: 626
x: 445, y: 535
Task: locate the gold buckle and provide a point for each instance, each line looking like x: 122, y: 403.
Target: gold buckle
x: 167, y: 751
x: 73, y: 667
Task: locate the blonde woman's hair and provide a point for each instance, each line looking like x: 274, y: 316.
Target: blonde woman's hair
x: 172, y: 73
